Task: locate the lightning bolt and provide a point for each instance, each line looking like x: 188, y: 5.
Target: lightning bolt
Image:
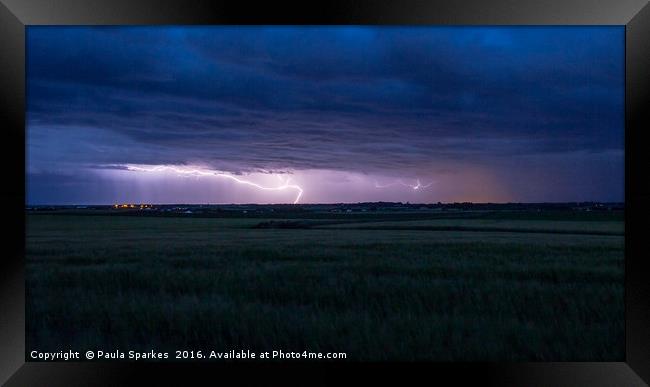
x: 284, y: 184
x: 418, y: 185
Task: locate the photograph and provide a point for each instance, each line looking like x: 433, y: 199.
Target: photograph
x: 325, y: 193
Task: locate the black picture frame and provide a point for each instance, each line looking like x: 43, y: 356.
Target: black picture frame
x: 15, y: 15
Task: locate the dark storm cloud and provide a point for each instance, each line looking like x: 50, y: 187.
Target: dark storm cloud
x: 351, y: 99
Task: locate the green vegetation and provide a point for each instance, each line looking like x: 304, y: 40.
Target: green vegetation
x: 399, y: 290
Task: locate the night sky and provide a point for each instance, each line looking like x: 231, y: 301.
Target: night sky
x: 347, y: 114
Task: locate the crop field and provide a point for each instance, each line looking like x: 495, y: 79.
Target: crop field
x: 483, y: 288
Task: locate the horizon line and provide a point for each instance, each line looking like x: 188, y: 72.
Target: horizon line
x: 332, y: 203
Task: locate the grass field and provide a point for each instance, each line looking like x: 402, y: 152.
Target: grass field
x: 427, y: 289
